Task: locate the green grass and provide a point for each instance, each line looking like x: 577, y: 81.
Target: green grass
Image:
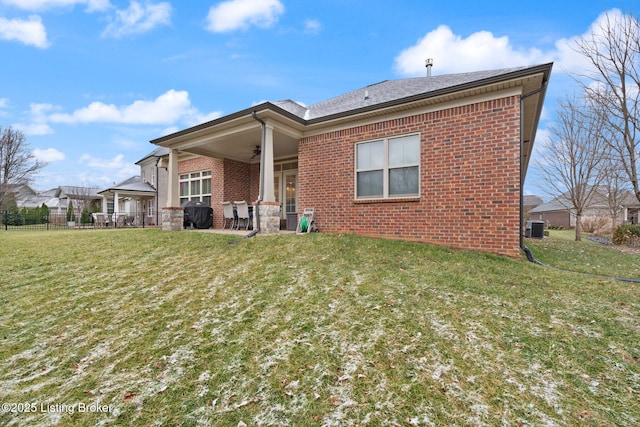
x: 562, y: 251
x: 185, y: 329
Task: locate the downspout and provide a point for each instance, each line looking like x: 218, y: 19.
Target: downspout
x: 256, y: 213
x: 157, y: 181
x: 525, y: 249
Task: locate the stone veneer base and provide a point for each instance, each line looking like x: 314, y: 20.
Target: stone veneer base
x: 269, y: 217
x: 172, y: 219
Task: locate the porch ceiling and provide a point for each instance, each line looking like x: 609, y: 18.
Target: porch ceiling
x: 238, y: 140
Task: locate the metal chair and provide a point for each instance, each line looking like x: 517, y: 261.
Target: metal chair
x: 98, y: 220
x: 227, y: 214
x: 242, y: 208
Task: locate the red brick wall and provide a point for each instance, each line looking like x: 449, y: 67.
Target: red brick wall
x: 230, y: 181
x: 237, y: 180
x: 469, y: 185
x: 217, y: 179
x: 554, y: 218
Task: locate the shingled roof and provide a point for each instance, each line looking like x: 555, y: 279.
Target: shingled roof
x: 396, y: 90
x: 135, y: 184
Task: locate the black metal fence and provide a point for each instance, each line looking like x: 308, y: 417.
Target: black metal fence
x: 37, y: 219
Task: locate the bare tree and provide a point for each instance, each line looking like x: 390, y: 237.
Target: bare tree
x: 613, y: 49
x: 17, y: 164
x: 616, y: 186
x: 570, y: 163
x: 82, y: 197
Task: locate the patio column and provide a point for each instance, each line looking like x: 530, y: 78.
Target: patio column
x: 173, y: 199
x: 105, y: 204
x: 172, y: 214
x: 268, y: 192
x: 269, y: 208
x: 115, y: 208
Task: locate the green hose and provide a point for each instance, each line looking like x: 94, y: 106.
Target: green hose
x: 304, y: 224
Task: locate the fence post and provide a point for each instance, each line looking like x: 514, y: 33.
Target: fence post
x: 4, y: 220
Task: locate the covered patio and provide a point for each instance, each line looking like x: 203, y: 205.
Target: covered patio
x: 126, y: 205
x: 251, y: 147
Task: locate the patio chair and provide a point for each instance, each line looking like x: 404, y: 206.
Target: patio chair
x: 119, y: 220
x: 242, y: 208
x: 227, y: 214
x: 98, y: 220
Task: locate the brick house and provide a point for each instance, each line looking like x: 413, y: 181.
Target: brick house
x: 559, y: 212
x: 438, y: 159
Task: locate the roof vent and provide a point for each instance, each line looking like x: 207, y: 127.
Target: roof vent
x: 428, y: 63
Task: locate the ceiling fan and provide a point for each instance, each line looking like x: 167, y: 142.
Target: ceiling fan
x: 256, y: 152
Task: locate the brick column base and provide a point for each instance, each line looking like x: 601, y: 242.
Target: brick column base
x: 269, y: 217
x: 172, y: 219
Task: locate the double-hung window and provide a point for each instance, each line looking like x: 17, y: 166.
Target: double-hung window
x: 195, y: 186
x: 388, y: 168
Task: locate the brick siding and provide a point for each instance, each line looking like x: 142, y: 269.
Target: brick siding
x: 231, y: 180
x: 469, y: 179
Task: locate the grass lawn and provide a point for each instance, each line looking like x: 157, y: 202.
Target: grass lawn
x: 144, y: 327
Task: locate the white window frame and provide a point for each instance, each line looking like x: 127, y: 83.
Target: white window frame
x: 385, y: 169
x: 189, y: 178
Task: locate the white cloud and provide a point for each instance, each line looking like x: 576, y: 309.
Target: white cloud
x: 232, y: 15
x: 197, y: 118
x: 30, y: 32
x: 98, y: 163
x: 92, y: 5
x: 312, y: 26
x: 40, y: 110
x: 168, y: 108
x: 49, y: 155
x: 116, y: 169
x: 138, y: 19
x: 454, y: 54
x: 4, y: 102
x: 38, y: 125
x: 33, y: 128
x: 568, y: 59
x: 482, y: 50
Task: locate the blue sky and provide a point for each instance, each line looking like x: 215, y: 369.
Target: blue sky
x: 90, y: 82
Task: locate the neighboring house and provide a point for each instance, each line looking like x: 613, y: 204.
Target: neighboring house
x: 529, y: 202
x: 559, y: 212
x: 80, y: 197
x: 130, y: 200
x: 20, y: 195
x: 153, y: 172
x: 438, y: 159
x: 57, y: 199
x: 633, y: 213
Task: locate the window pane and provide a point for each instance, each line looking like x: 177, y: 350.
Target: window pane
x: 195, y: 187
x: 403, y: 181
x: 290, y: 198
x: 404, y: 150
x: 195, y: 175
x: 206, y: 173
x: 184, y: 189
x: 206, y: 200
x: 370, y: 184
x: 184, y: 176
x: 370, y: 155
x: 206, y: 186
